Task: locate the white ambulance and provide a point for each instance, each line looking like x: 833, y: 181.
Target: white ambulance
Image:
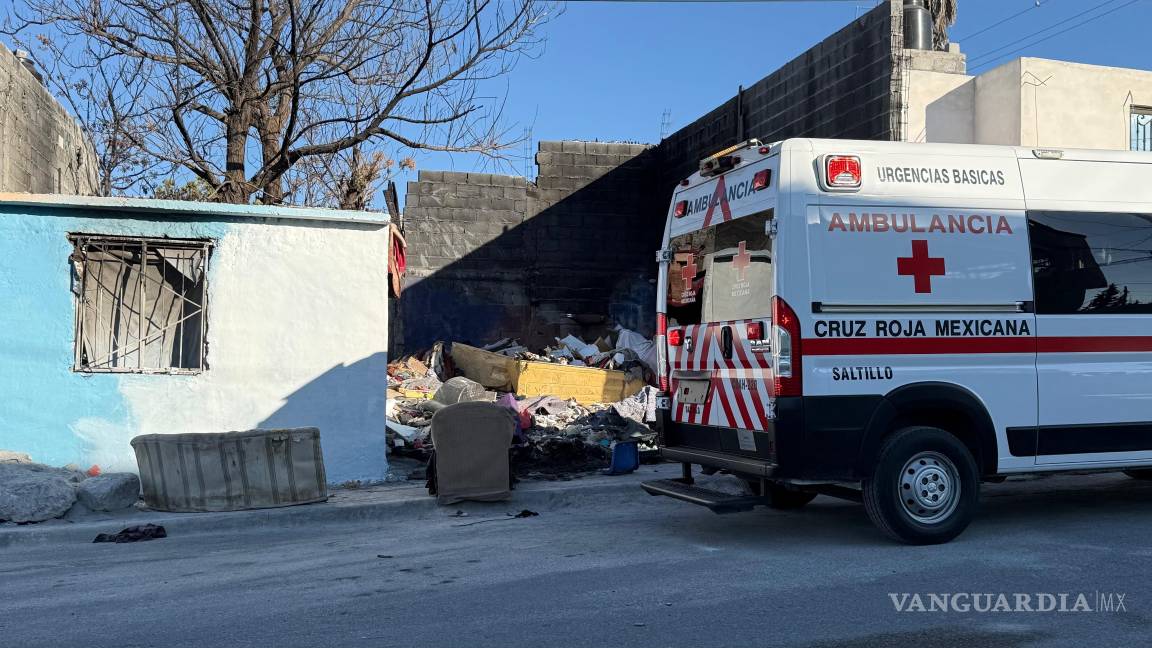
x: 896, y: 323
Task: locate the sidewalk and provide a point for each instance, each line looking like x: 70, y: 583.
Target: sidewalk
x: 388, y: 501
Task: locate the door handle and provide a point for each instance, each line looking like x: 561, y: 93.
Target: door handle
x: 726, y: 342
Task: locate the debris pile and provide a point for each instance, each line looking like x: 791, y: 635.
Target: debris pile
x: 632, y: 353
x: 558, y: 433
x: 411, y: 378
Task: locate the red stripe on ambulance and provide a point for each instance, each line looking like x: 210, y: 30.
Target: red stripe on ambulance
x: 943, y: 346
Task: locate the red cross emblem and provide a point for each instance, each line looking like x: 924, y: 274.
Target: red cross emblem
x: 688, y: 272
x: 742, y: 260
x: 920, y: 266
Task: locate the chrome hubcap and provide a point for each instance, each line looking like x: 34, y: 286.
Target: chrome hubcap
x: 929, y: 487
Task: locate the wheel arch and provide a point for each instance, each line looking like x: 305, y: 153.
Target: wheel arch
x: 947, y: 406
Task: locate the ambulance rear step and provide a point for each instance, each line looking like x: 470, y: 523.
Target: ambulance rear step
x: 716, y: 501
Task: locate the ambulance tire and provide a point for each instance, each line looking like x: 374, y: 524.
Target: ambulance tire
x: 1143, y: 474
x: 927, y: 457
x: 780, y: 497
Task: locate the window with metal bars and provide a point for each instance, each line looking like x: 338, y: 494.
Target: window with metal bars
x: 141, y: 304
x: 1141, y: 126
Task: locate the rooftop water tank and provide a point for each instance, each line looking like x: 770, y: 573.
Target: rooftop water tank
x: 917, y: 25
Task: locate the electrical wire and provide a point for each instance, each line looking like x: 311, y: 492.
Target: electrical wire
x: 968, y: 37
x: 1016, y: 41
x: 983, y: 60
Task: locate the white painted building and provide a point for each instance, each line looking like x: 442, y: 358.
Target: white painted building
x: 1027, y: 102
x: 251, y: 317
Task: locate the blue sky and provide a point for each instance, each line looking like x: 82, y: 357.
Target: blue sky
x: 608, y: 70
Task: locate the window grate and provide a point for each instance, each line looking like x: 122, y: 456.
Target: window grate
x: 1141, y: 129
x: 140, y: 304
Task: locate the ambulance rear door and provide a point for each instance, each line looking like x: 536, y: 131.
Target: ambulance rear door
x: 717, y: 291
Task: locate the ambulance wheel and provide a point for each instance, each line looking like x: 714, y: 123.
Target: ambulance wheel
x: 780, y: 497
x: 1142, y: 474
x: 925, y: 488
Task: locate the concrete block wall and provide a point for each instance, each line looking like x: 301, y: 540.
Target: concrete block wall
x: 42, y: 149
x: 591, y: 252
x: 494, y: 256
x: 843, y: 87
x: 465, y: 257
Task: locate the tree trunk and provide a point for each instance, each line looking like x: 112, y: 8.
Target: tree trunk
x: 235, y: 188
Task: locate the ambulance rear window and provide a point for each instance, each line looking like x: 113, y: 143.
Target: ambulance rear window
x: 722, y: 273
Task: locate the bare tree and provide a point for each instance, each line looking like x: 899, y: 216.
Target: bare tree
x: 242, y: 92
x: 345, y: 180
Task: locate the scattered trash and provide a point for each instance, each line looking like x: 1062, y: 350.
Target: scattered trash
x: 460, y: 390
x: 406, y: 432
x: 525, y: 513
x: 625, y: 458
x: 573, y: 401
x: 134, y: 534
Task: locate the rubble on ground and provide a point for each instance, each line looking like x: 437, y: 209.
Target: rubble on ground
x: 32, y: 492
x: 555, y: 435
x: 109, y: 491
x: 9, y: 456
x: 411, y: 378
x: 630, y: 352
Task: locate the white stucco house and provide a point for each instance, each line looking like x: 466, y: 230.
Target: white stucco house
x: 121, y: 317
x: 1026, y: 102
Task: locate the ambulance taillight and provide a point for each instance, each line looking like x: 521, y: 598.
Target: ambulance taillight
x: 785, y: 350
x: 675, y: 337
x: 755, y: 330
x: 681, y: 209
x: 761, y: 179
x: 842, y: 172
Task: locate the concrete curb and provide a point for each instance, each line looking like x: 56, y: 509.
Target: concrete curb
x: 346, y: 507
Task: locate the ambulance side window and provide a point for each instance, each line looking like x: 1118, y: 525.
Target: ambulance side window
x: 1087, y: 262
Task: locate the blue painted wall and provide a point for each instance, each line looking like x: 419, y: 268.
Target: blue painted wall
x: 40, y: 396
x: 60, y: 417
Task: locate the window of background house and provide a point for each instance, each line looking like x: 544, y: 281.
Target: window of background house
x: 1141, y: 129
x: 140, y: 304
x: 1091, y: 262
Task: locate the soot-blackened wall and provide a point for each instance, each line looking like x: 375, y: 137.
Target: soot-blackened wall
x: 496, y: 256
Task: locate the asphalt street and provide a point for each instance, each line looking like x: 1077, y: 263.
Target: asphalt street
x: 625, y: 569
